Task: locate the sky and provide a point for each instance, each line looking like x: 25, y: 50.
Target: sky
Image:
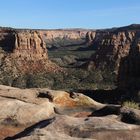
x: 56, y: 14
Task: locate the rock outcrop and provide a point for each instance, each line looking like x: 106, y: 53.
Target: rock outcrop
x: 49, y: 114
x: 30, y: 45
x: 24, y: 50
x: 26, y: 44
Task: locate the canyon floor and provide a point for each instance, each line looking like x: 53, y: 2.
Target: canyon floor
x: 44, y: 114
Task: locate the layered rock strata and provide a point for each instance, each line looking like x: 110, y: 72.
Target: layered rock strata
x: 119, y: 50
x: 25, y: 50
x: 30, y: 45
x: 24, y: 44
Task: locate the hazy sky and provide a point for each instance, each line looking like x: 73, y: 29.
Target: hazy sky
x: 69, y: 13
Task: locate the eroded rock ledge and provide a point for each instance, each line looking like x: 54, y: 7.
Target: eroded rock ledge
x: 48, y: 114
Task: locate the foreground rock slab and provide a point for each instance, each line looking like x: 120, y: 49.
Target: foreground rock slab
x: 65, y: 127
x: 38, y: 114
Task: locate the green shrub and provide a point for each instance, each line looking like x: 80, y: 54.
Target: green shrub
x: 131, y: 104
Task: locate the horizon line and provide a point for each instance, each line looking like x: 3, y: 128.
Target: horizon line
x: 67, y: 28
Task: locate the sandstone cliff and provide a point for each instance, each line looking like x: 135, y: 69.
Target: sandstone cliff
x: 71, y: 34
x: 118, y: 49
x: 25, y: 44
x: 25, y: 51
x: 62, y: 38
x: 30, y: 45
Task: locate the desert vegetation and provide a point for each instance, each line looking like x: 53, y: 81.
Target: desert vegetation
x: 131, y: 104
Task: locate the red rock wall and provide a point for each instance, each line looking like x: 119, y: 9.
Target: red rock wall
x: 23, y: 44
x: 118, y: 50
x: 30, y: 45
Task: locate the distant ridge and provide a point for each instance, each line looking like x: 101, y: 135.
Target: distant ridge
x: 129, y: 27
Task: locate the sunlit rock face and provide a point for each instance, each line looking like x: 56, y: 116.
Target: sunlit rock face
x: 23, y: 43
x: 30, y: 45
x: 119, y: 50
x: 25, y: 50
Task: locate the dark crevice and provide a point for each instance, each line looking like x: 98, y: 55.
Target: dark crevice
x: 45, y: 95
x: 8, y: 43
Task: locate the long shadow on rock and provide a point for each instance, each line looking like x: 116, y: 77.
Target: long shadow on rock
x: 115, y: 96
x: 28, y: 130
x: 107, y: 110
x: 8, y: 43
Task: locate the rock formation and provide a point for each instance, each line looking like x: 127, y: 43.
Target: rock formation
x: 30, y: 45
x: 25, y: 50
x: 118, y: 49
x: 48, y: 114
x: 26, y: 44
x: 71, y: 34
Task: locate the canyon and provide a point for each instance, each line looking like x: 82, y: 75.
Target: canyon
x: 115, y: 50
x: 70, y: 83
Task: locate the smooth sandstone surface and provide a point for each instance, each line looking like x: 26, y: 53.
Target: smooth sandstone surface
x: 49, y: 114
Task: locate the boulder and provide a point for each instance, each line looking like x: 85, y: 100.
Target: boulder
x: 130, y: 115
